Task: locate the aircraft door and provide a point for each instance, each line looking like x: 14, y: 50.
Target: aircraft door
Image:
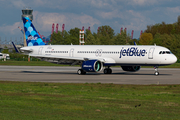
x: 71, y: 52
x: 151, y: 51
x: 40, y: 51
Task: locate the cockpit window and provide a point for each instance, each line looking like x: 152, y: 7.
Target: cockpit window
x: 165, y: 52
x: 168, y: 52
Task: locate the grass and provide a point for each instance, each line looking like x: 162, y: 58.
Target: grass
x: 44, y: 63
x: 23, y: 100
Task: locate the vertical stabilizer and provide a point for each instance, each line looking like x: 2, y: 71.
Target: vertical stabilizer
x: 32, y: 36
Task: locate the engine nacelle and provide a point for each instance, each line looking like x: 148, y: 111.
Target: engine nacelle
x: 131, y: 68
x: 92, y: 66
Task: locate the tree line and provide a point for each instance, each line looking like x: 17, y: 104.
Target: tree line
x: 162, y: 34
x: 104, y: 36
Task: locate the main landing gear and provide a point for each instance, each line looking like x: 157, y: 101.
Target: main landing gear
x: 107, y: 70
x: 81, y: 72
x: 156, y: 71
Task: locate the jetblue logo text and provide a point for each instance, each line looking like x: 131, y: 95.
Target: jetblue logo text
x: 132, y: 52
x: 32, y: 38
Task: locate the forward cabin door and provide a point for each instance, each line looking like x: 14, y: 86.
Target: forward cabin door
x: 40, y: 51
x: 71, y: 53
x: 151, y: 51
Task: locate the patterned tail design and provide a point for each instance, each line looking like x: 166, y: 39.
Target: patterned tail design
x: 32, y: 36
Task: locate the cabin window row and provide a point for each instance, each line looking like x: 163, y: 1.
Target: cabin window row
x: 56, y: 51
x: 105, y: 52
x: 87, y: 51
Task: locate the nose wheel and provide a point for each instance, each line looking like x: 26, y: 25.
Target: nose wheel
x: 156, y: 73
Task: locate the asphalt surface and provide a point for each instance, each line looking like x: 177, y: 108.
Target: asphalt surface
x: 144, y: 76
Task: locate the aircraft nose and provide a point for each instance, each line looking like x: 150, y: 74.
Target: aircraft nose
x: 173, y: 59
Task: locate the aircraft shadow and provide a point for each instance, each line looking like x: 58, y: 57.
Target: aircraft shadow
x: 89, y: 73
x: 48, y: 72
x: 129, y: 73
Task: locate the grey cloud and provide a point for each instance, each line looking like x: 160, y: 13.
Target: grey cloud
x: 44, y: 21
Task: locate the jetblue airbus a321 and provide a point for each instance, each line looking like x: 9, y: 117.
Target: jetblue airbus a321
x: 93, y: 58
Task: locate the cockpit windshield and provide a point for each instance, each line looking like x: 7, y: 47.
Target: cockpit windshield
x: 165, y: 52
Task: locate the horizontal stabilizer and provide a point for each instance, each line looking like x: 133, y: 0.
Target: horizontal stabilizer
x: 17, y: 51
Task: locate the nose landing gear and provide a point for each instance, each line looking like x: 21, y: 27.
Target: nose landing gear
x: 156, y: 73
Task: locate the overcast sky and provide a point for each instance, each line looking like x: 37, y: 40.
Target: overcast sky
x: 131, y: 14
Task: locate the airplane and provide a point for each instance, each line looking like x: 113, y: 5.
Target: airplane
x: 93, y: 58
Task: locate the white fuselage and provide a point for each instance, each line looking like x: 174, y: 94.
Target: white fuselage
x: 110, y: 54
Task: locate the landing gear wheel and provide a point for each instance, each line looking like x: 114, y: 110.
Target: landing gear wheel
x: 156, y: 73
x: 81, y: 72
x: 107, y: 71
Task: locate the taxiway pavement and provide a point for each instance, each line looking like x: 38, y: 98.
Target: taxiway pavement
x: 56, y: 74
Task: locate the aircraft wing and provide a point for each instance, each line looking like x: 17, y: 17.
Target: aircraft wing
x: 66, y: 59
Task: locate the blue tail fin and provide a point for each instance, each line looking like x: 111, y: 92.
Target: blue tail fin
x: 32, y: 36
x: 15, y: 47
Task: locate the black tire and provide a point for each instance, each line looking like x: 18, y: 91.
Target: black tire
x: 105, y: 71
x: 81, y: 72
x: 156, y: 73
x: 109, y: 71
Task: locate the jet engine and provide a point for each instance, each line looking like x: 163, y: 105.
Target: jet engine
x: 131, y: 68
x: 92, y: 66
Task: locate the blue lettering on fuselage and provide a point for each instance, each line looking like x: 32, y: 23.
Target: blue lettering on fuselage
x: 132, y: 52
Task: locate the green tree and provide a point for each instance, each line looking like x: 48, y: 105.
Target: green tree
x: 162, y: 40
x: 131, y: 42
x: 106, y: 30
x: 5, y: 50
x: 105, y: 35
x: 57, y: 39
x: 120, y: 39
x: 146, y: 39
x: 90, y: 40
x: 164, y: 28
x: 171, y: 42
x: 74, y: 36
x: 67, y: 38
